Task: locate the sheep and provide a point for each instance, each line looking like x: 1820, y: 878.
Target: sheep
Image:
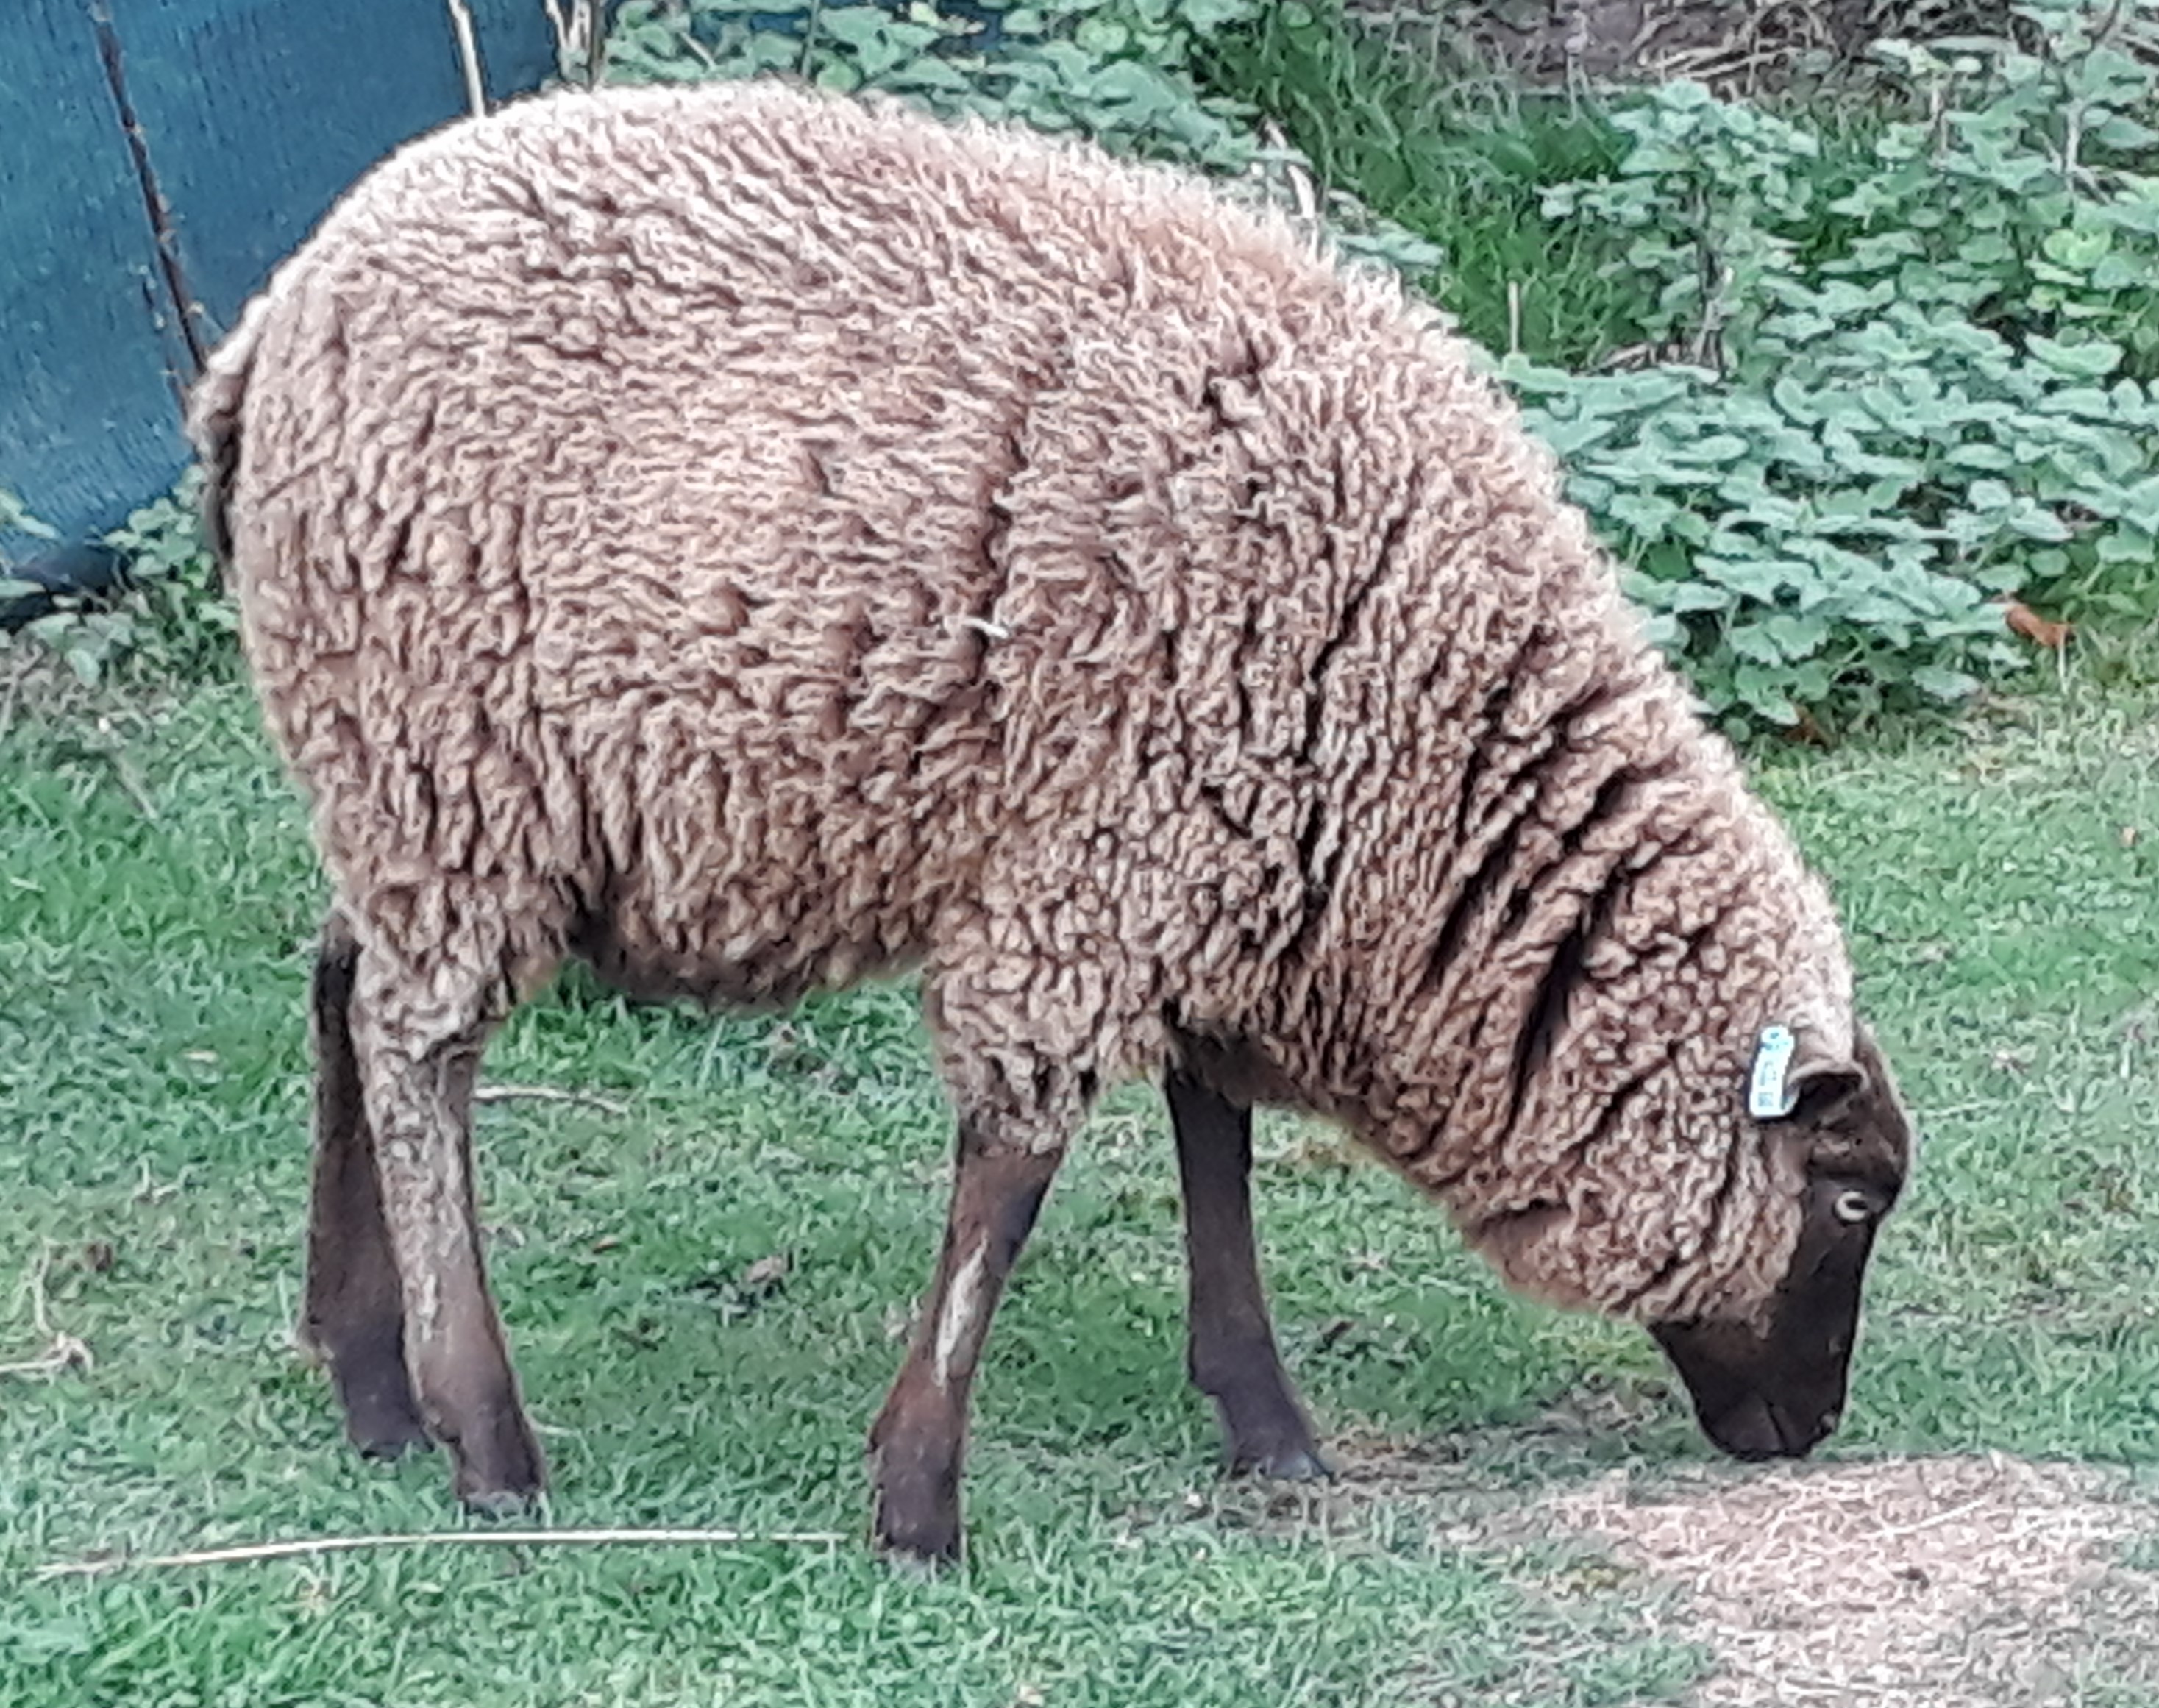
x: 753, y: 542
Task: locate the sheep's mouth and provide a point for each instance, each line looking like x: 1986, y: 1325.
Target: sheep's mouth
x: 1774, y: 1391
x: 1759, y: 1397
x: 1757, y: 1428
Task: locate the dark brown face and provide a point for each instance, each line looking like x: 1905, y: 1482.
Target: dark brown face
x: 1776, y: 1393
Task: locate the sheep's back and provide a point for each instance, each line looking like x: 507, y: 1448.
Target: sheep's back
x: 623, y: 506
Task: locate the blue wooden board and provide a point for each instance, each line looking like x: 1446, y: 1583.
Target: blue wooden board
x: 319, y: 92
x: 88, y: 417
x: 254, y: 116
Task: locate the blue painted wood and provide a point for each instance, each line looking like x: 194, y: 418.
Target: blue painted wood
x: 87, y: 414
x: 254, y: 116
x: 259, y: 112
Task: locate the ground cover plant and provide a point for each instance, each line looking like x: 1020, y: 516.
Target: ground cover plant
x: 1860, y: 370
x: 166, y: 617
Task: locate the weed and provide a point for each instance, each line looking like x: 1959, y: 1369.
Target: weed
x: 1903, y: 389
x: 1117, y: 70
x: 165, y: 617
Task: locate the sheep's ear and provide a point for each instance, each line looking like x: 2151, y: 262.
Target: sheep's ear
x: 1822, y: 1088
x: 1800, y: 1079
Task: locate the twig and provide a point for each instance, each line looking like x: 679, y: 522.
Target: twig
x: 63, y: 1352
x: 1896, y: 1532
x: 7, y: 702
x: 547, y: 1093
x: 1303, y: 197
x: 438, y: 1539
x: 576, y: 25
x: 461, y: 23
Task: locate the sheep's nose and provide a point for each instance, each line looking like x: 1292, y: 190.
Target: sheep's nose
x: 1797, y: 1440
x: 1750, y: 1430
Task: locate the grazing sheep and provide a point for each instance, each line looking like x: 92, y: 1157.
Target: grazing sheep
x: 752, y: 542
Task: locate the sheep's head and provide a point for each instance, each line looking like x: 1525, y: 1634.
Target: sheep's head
x: 1771, y: 1389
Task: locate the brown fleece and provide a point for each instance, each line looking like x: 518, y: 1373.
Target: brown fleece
x: 753, y: 542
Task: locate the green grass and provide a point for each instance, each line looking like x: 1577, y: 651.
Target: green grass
x: 156, y: 896
x: 1462, y: 161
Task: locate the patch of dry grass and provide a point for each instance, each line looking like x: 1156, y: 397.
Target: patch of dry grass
x: 1958, y: 1582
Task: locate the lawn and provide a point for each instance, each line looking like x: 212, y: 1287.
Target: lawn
x: 707, y: 1256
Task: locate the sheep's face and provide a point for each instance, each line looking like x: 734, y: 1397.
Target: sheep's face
x: 1773, y: 1389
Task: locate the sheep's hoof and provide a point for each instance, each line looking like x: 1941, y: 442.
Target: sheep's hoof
x: 382, y: 1418
x: 917, y: 1511
x: 387, y: 1431
x: 499, y: 1502
x: 497, y: 1470
x: 1288, y: 1464
x: 1264, y: 1432
x: 923, y: 1537
x: 925, y: 1550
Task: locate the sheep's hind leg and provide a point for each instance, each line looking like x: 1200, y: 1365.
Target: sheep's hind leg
x: 352, y: 1317
x: 920, y: 1436
x: 418, y: 1041
x: 1232, y: 1354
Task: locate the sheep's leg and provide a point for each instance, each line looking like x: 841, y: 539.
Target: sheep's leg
x: 419, y: 1048
x: 1231, y: 1352
x: 352, y: 1317
x: 920, y: 1436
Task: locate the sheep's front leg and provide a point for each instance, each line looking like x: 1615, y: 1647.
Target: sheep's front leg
x: 419, y: 1055
x: 352, y: 1317
x: 1232, y: 1354
x: 920, y: 1436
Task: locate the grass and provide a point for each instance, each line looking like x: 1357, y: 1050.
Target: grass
x: 1462, y: 161
x: 156, y: 896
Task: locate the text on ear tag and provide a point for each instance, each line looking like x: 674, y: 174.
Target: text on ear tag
x: 1767, y: 1097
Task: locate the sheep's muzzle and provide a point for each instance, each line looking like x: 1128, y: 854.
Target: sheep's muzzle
x: 1774, y: 1392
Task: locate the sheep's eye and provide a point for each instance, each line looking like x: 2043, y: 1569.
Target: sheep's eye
x: 1851, y: 1207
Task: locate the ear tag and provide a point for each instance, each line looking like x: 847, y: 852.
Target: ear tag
x: 1767, y: 1097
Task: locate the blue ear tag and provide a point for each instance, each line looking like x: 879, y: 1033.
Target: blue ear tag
x: 1767, y: 1097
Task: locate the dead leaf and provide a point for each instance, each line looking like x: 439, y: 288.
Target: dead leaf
x: 2040, y: 631
x: 1807, y: 731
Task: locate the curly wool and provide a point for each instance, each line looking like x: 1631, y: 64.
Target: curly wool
x: 754, y: 540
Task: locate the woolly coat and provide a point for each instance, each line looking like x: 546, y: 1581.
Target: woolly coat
x: 754, y: 540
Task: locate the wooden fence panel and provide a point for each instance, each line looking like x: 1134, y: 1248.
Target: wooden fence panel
x: 87, y: 412
x: 260, y: 112
x: 248, y: 118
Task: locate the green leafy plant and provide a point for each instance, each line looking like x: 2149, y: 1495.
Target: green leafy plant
x: 1895, y: 386
x: 165, y: 614
x: 185, y: 626
x: 1117, y: 70
x: 14, y: 519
